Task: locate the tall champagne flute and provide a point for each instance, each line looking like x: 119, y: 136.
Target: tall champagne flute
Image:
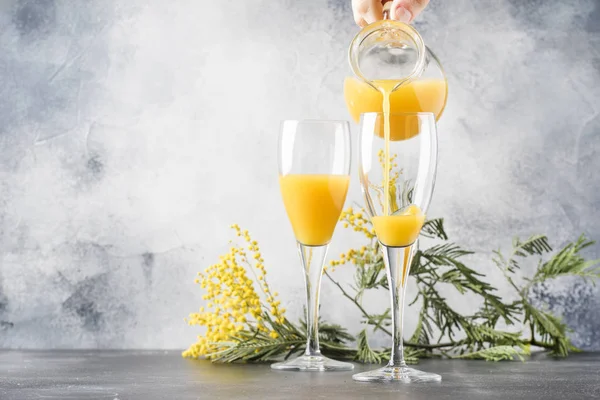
x: 399, y: 217
x: 314, y: 174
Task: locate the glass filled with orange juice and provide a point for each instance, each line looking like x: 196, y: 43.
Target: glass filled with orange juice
x: 397, y: 193
x: 314, y: 175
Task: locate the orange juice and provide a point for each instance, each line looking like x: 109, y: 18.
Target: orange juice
x: 314, y: 204
x: 427, y: 95
x: 399, y: 230
x: 386, y: 91
x: 415, y: 96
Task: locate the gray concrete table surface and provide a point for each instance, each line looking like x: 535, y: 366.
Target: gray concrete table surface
x: 153, y: 375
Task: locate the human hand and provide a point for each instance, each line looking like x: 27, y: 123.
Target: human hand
x: 368, y: 11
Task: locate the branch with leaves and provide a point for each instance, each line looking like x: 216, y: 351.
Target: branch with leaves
x: 240, y: 326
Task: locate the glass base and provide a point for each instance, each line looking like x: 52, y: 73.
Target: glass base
x: 312, y: 363
x: 402, y: 374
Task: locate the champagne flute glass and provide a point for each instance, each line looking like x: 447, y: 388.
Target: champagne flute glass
x: 397, y: 211
x: 314, y: 174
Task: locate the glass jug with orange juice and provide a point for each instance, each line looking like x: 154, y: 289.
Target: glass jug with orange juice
x: 390, y: 57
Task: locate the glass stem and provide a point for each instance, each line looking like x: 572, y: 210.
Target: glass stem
x: 313, y: 261
x: 397, y: 261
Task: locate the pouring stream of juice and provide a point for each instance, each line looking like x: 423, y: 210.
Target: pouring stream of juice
x: 386, y: 137
x: 398, y: 226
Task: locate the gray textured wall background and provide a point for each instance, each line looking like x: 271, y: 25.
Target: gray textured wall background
x: 133, y: 133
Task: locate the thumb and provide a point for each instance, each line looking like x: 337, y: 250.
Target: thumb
x: 407, y: 10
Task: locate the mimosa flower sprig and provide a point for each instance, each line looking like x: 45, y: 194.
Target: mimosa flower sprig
x: 239, y: 323
x: 243, y: 319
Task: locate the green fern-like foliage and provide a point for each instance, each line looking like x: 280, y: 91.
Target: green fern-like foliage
x: 496, y: 353
x: 498, y: 331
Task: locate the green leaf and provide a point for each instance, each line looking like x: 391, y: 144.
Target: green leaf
x: 546, y: 324
x: 534, y: 245
x: 364, y: 352
x: 422, y: 330
x: 380, y: 320
x: 369, y: 276
x: 444, y: 254
x: 568, y: 261
x: 252, y: 347
x: 496, y: 353
x: 333, y: 333
x: 486, y: 334
x: 551, y: 329
x: 434, y: 228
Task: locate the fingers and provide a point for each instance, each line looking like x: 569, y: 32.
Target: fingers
x: 367, y: 11
x: 407, y: 10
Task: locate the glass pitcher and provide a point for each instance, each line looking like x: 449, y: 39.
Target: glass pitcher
x: 392, y: 54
